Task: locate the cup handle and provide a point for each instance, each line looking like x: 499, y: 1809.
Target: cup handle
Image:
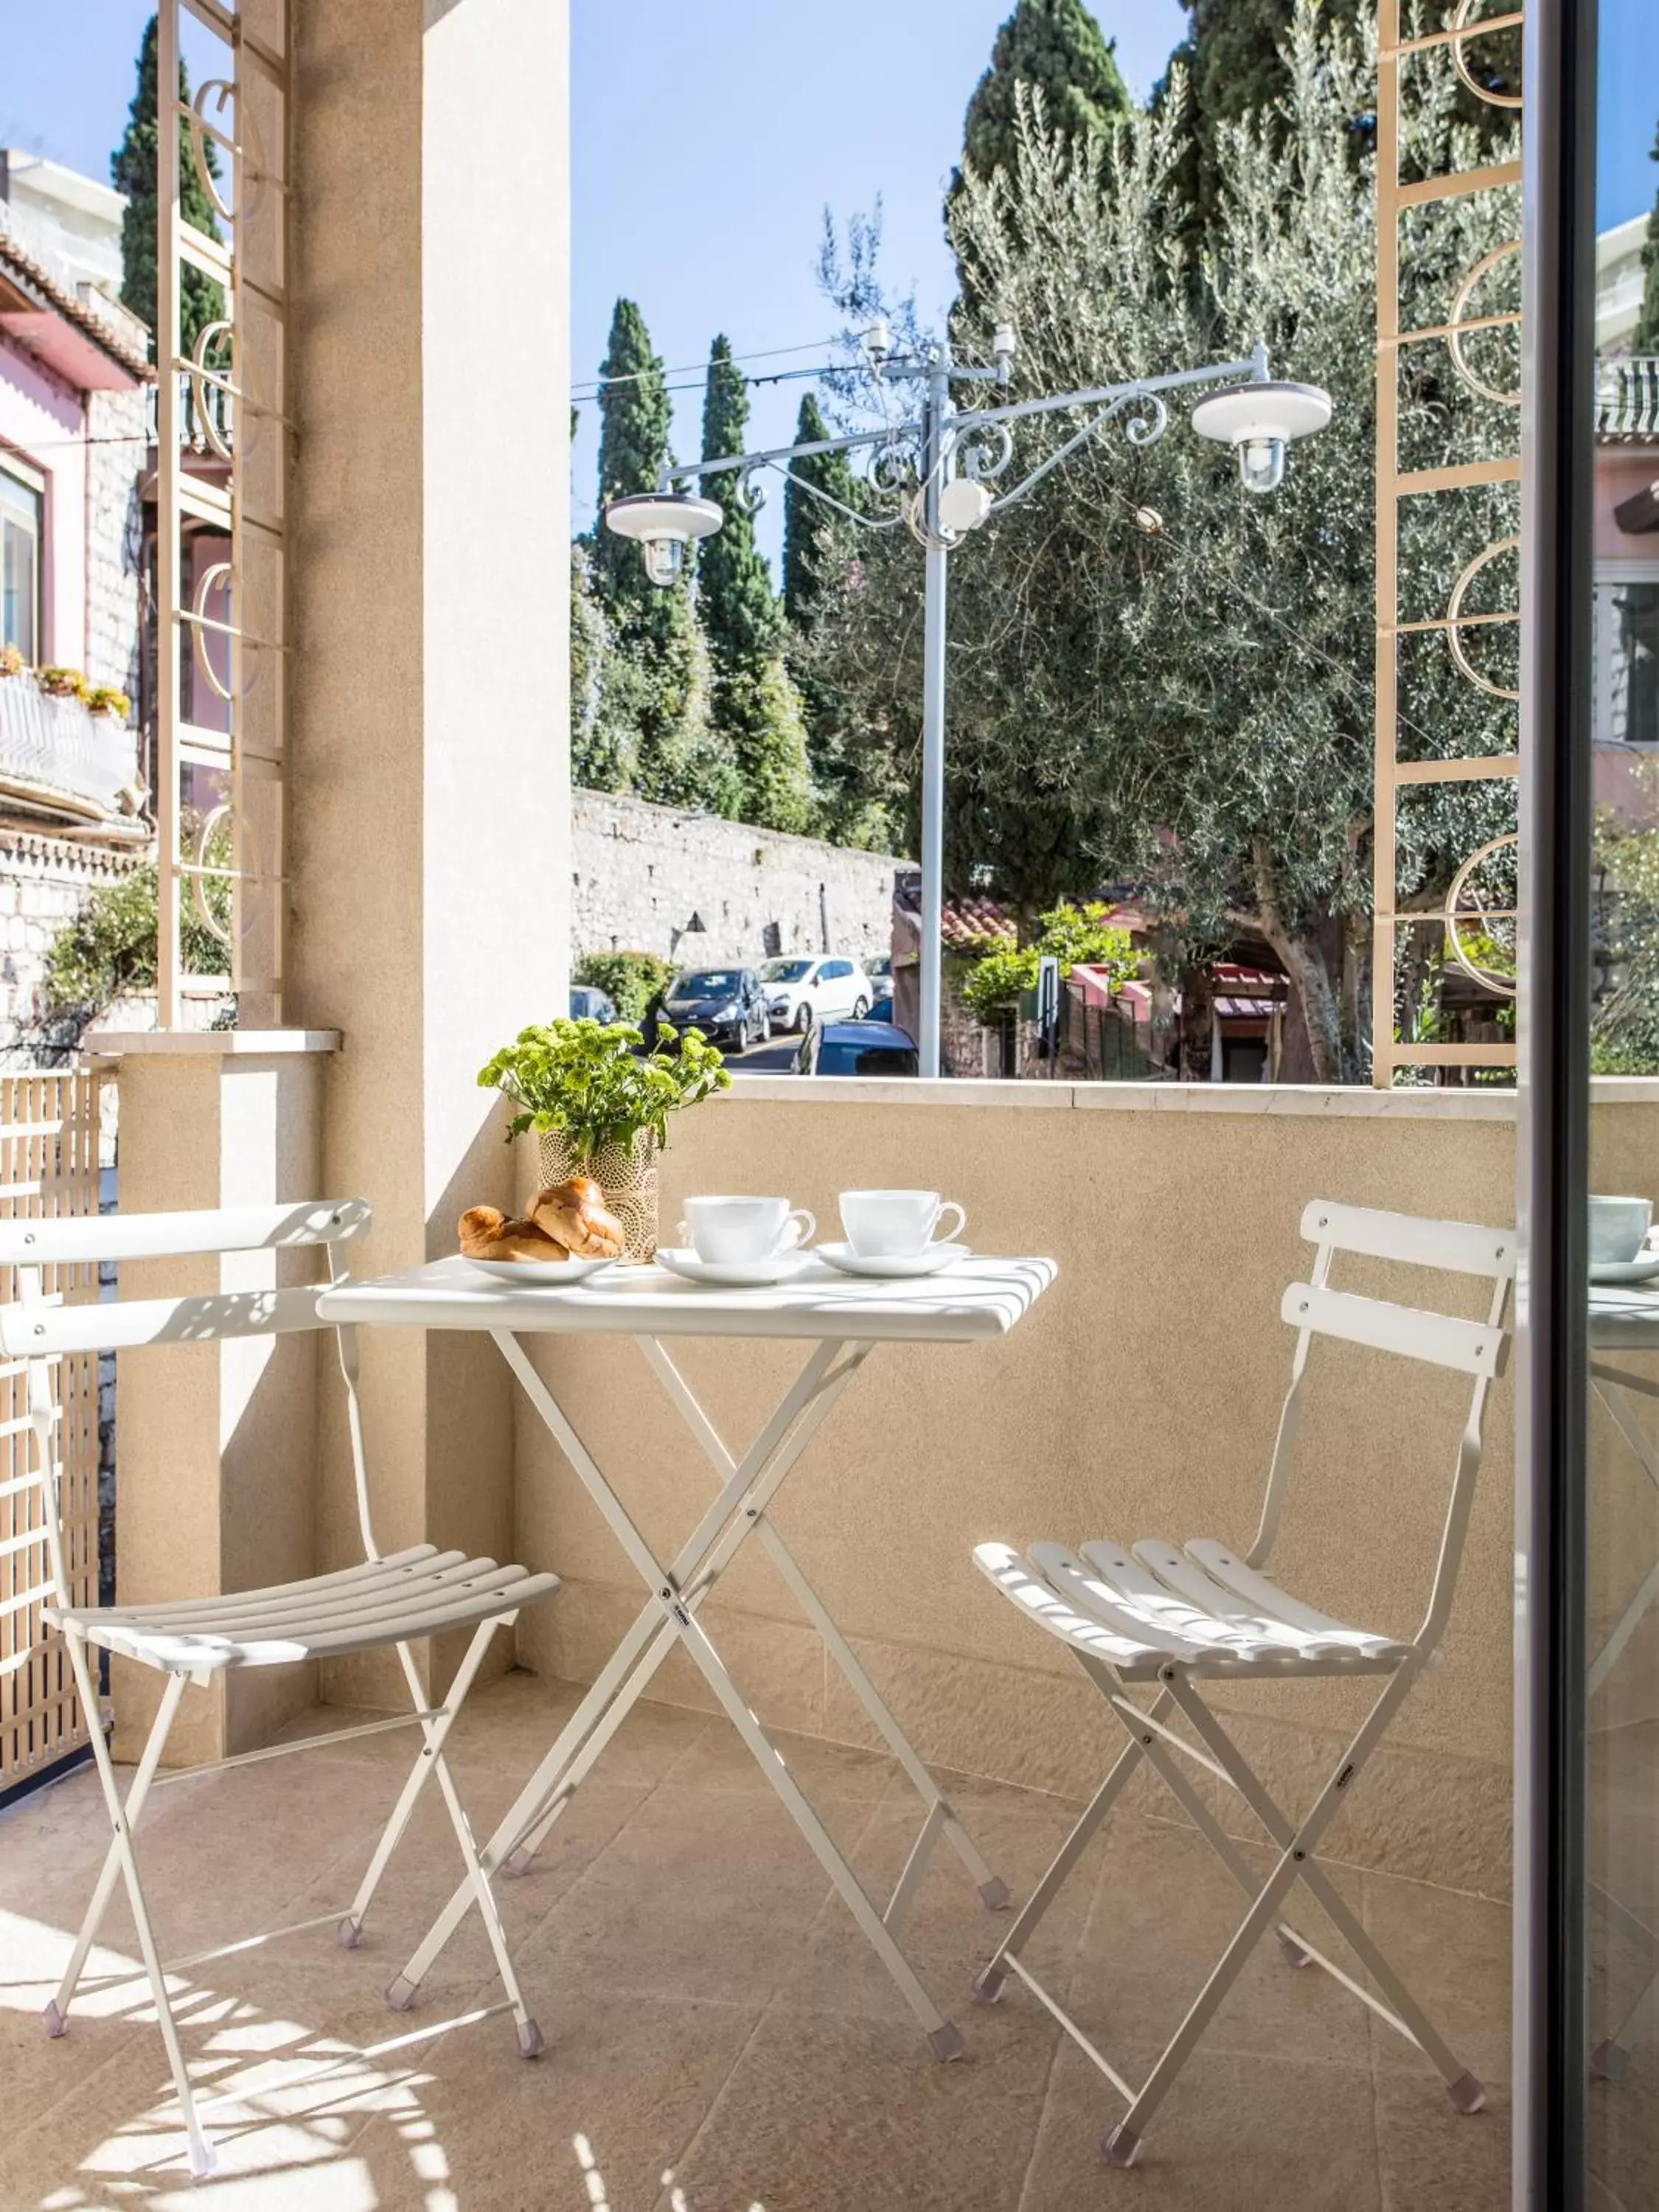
x: 804, y: 1234
x: 956, y: 1228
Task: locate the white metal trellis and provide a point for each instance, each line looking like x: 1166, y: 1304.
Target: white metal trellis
x: 1395, y: 197
x: 221, y: 478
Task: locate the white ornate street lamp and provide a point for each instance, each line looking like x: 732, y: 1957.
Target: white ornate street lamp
x: 941, y: 471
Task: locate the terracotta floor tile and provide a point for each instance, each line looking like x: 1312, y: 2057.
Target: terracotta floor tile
x: 837, y: 2113
x: 1434, y: 2159
x: 612, y: 2105
x: 704, y: 1894
x: 1237, y: 2134
x: 1163, y: 1911
x: 1453, y: 1953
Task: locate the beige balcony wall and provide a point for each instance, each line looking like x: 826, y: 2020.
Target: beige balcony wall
x: 429, y: 841
x: 1140, y: 1399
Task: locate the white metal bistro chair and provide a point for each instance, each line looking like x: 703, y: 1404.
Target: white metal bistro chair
x: 1169, y: 1619
x: 390, y: 1600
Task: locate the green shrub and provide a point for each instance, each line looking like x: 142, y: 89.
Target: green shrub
x: 1002, y: 973
x: 632, y: 981
x: 109, y: 949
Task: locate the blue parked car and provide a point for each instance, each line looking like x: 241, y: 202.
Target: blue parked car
x: 587, y: 1005
x: 857, y: 1048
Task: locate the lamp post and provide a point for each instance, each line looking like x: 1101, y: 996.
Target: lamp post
x: 940, y: 469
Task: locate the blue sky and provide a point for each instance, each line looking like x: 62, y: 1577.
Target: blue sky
x: 787, y: 109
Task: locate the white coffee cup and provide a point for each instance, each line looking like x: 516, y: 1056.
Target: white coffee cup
x: 730, y: 1231
x: 896, y: 1225
x: 1618, y: 1227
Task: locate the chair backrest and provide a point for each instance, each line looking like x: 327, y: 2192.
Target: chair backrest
x: 1478, y: 1349
x: 33, y: 1328
x: 39, y: 1328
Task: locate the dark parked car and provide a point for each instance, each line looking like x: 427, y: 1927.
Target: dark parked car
x: 587, y: 1005
x: 857, y: 1048
x: 728, y: 1005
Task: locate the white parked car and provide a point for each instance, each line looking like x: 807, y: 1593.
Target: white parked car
x: 802, y: 991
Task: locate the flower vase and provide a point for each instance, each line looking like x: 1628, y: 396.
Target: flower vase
x: 627, y: 1177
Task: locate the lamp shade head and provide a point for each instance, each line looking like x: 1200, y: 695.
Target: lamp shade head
x: 1258, y: 420
x: 646, y: 514
x: 1260, y: 411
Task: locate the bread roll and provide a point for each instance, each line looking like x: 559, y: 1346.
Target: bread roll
x: 486, y: 1234
x: 573, y: 1215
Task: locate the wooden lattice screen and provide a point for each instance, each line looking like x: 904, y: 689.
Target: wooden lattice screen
x: 49, y: 1160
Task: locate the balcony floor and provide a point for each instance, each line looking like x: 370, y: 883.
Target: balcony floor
x: 719, y: 2038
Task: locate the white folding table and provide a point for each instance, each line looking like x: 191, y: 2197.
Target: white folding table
x: 975, y: 1301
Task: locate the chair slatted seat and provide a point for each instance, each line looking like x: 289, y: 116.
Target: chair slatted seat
x: 1169, y: 1617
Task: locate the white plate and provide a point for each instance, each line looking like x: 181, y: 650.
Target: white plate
x: 731, y: 1274
x: 895, y: 1267
x: 546, y: 1274
x: 1642, y: 1269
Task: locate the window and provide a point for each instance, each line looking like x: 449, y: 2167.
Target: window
x: 835, y: 970
x: 707, y: 983
x: 1628, y: 654
x: 21, y: 503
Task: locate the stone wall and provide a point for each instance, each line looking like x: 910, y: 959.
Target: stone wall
x: 44, y: 882
x: 684, y: 884
x: 115, y: 536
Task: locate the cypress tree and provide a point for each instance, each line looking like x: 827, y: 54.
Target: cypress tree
x: 1054, y: 47
x: 734, y: 591
x: 804, y: 518
x: 655, y: 692
x: 132, y: 172
x: 757, y: 709
x: 1644, y: 338
x: 1057, y: 46
x: 634, y: 421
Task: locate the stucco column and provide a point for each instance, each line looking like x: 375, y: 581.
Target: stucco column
x: 429, y: 807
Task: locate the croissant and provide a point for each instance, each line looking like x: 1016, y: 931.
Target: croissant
x: 573, y: 1215
x: 486, y: 1234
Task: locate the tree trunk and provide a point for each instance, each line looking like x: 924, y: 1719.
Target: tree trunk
x: 1303, y: 960
x: 1197, y: 997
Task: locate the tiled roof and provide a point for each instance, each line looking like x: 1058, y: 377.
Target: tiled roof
x: 968, y: 921
x: 24, y: 269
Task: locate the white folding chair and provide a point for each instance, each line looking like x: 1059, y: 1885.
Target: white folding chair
x: 1171, y: 1618
x: 388, y: 1600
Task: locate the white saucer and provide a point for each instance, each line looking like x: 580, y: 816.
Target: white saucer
x: 732, y: 1274
x: 546, y: 1274
x: 1642, y: 1269
x: 895, y: 1266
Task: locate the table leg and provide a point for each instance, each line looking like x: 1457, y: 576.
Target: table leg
x: 941, y: 1818
x: 623, y: 1679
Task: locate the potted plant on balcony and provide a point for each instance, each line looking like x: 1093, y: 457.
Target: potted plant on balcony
x: 63, y: 683
x: 599, y: 1105
x: 11, y: 660
x: 105, y: 699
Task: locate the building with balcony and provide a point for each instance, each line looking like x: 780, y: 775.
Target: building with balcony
x: 75, y: 388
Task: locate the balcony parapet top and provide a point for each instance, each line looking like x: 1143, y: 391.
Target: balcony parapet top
x: 1329, y: 1101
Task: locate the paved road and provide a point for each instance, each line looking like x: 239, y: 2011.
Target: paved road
x: 774, y: 1059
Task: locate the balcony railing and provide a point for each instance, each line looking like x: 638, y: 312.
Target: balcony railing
x: 59, y: 760
x: 1627, y: 397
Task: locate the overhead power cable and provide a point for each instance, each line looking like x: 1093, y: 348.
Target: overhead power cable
x: 591, y: 389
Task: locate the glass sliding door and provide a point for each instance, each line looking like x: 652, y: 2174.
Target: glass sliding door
x: 1618, y: 1920
x: 1587, y: 1982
